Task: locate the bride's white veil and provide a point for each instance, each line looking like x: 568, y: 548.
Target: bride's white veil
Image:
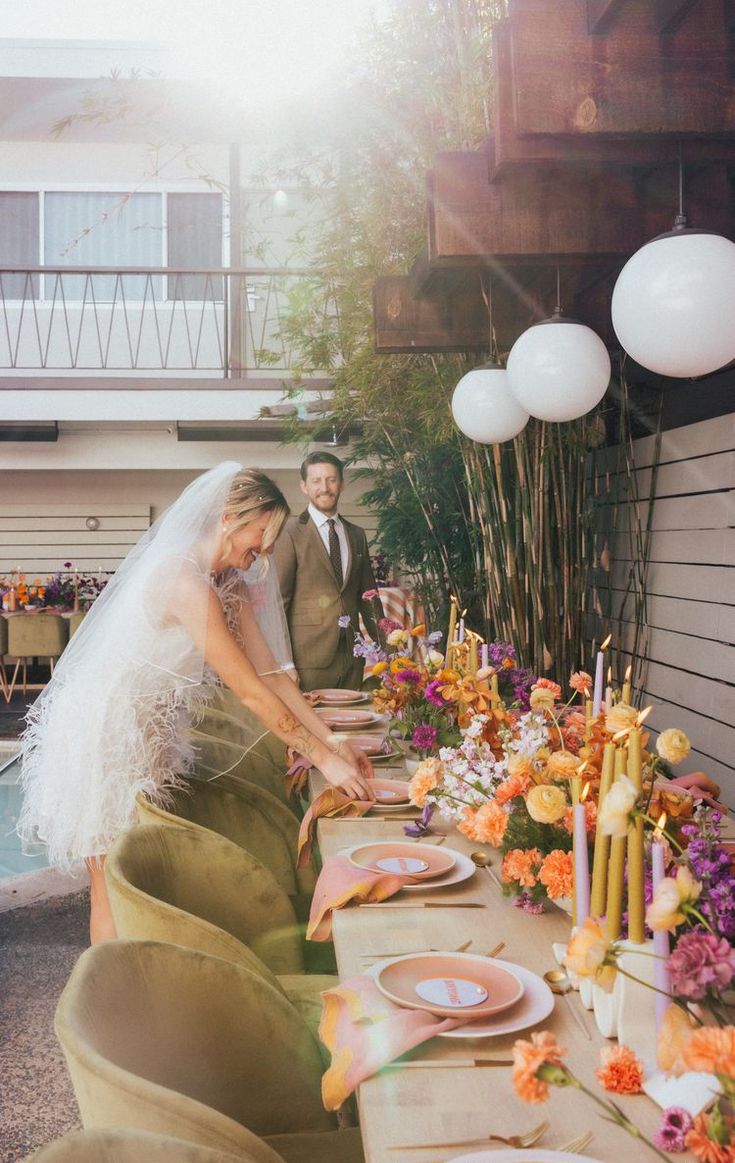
x: 112, y: 720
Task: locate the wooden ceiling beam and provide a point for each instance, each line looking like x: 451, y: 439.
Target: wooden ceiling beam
x: 668, y: 14
x: 601, y: 14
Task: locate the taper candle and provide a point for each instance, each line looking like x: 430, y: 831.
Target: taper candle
x: 494, y: 691
x: 599, y: 669
x: 608, y: 690
x: 484, y: 654
x: 661, y: 977
x: 616, y: 869
x: 472, y: 660
x: 636, y: 891
x: 627, y: 689
x: 460, y: 631
x: 452, y: 622
x: 581, y: 863
x: 602, y: 842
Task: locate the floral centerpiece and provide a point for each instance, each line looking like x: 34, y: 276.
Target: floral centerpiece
x: 67, y: 588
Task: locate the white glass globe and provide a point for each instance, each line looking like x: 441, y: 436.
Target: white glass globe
x: 673, y: 306
x: 484, y: 408
x: 558, y: 369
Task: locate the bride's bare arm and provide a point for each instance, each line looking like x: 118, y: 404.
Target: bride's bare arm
x: 232, y: 665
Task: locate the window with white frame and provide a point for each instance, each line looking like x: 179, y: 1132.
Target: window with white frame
x: 85, y: 228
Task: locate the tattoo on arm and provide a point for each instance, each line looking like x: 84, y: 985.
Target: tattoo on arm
x: 299, y: 736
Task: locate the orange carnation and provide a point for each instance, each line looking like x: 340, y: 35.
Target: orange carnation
x: 514, y: 785
x: 487, y: 824
x: 521, y: 865
x: 620, y: 1070
x: 706, y: 1149
x: 528, y: 1057
x: 557, y: 874
x: 712, y: 1049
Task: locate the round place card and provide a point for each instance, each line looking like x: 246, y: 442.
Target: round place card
x: 453, y: 992
x: 405, y: 865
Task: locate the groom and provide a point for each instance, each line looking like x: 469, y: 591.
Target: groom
x: 324, y: 569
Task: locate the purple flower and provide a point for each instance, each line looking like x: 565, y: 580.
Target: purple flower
x: 675, y: 1125
x: 432, y: 694
x: 424, y: 737
x: 409, y: 676
x: 434, y: 637
x: 422, y: 826
x: 699, y: 962
x: 343, y: 621
x: 525, y: 901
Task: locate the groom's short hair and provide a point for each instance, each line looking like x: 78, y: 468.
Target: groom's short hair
x: 322, y: 458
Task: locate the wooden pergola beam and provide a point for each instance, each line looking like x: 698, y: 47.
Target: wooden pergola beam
x: 668, y: 14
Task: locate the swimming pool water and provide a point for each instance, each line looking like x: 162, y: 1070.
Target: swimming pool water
x: 12, y: 859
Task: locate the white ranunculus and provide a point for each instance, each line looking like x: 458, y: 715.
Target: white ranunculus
x: 615, y: 813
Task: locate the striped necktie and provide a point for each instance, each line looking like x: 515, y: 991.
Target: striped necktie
x: 335, y: 553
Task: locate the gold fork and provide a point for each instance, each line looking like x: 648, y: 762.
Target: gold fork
x: 525, y: 1140
x: 575, y: 1145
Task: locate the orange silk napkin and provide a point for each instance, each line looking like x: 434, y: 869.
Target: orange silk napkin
x: 364, y: 1031
x: 340, y: 883
x: 331, y: 802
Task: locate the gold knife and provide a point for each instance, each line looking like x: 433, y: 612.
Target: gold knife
x: 423, y: 905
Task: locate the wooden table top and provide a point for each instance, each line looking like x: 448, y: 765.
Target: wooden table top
x: 424, y: 1106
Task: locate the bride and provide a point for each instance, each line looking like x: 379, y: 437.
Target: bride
x: 193, y: 604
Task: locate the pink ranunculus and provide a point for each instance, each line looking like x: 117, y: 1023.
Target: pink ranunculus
x: 369, y: 594
x: 699, y: 962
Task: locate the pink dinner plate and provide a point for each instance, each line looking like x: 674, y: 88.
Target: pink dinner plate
x: 345, y: 720
x: 449, y: 986
x: 370, y: 744
x: 335, y: 696
x: 389, y: 791
x: 421, y: 861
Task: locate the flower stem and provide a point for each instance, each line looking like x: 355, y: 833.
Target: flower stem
x: 615, y: 1114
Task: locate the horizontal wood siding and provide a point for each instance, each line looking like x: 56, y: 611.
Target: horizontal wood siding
x: 40, y: 538
x: 686, y: 658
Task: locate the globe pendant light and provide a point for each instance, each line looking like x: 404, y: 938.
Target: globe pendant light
x: 672, y: 306
x: 672, y: 303
x: 558, y: 369
x: 484, y: 408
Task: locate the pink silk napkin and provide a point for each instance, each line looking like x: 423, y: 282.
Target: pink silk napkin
x: 340, y: 883
x: 364, y: 1031
x: 331, y: 802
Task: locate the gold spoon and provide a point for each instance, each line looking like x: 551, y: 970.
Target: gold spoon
x: 559, y: 983
x: 482, y: 860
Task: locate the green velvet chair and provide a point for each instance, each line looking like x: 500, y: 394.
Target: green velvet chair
x: 192, y: 887
x: 34, y: 636
x: 225, y: 720
x: 3, y: 652
x: 125, y: 1146
x: 245, y: 814
x: 169, y: 1040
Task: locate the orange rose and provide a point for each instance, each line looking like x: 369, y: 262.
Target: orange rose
x: 712, y: 1049
x: 588, y: 955
x: 675, y: 1031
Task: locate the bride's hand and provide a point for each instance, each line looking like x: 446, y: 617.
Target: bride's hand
x: 343, y: 773
x: 364, y: 765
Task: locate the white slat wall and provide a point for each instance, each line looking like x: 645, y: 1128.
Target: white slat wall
x: 690, y: 588
x: 40, y: 538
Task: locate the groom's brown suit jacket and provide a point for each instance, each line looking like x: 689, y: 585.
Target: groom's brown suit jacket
x: 314, y: 602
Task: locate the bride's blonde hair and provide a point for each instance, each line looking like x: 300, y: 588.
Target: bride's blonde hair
x: 252, y: 494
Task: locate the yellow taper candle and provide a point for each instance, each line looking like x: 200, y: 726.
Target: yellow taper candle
x: 472, y: 662
x: 452, y: 628
x: 627, y: 688
x: 494, y: 691
x: 616, y: 868
x: 602, y: 843
x: 636, y: 892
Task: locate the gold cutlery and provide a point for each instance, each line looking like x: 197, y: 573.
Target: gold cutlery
x: 559, y: 983
x: 422, y: 905
x: 517, y: 1141
x: 446, y: 1064
x: 482, y: 860
x: 407, y: 952
x: 575, y: 1145
x: 495, y: 949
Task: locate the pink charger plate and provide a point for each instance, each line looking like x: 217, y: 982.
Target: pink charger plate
x: 344, y: 719
x: 336, y: 696
x: 406, y: 980
x: 435, y: 861
x: 389, y: 791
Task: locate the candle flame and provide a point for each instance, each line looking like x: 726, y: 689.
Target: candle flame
x: 609, y: 676
x: 580, y: 769
x: 463, y: 612
x: 607, y: 642
x: 644, y: 714
x: 453, y: 599
x: 660, y: 825
x: 628, y: 673
x: 585, y: 792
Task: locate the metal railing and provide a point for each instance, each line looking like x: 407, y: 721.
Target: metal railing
x: 169, y: 320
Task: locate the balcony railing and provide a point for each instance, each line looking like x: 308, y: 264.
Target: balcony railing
x: 166, y: 320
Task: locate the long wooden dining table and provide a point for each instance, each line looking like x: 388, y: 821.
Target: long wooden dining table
x: 446, y: 1091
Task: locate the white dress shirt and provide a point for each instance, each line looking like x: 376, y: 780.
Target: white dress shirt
x: 320, y: 520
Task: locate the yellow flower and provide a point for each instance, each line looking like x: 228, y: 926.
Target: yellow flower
x: 667, y: 910
x: 546, y: 803
x: 621, y: 717
x: 562, y: 764
x: 542, y: 699
x: 379, y: 667
x: 589, y: 955
x: 397, y: 637
x: 673, y: 745
x: 401, y: 663
x: 617, y: 806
